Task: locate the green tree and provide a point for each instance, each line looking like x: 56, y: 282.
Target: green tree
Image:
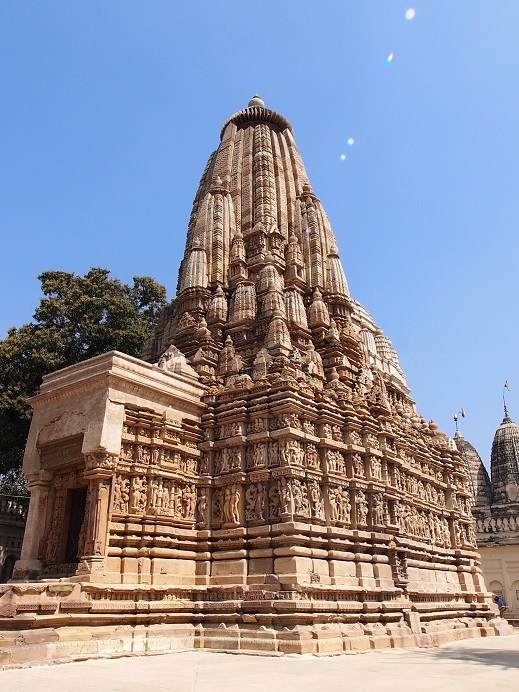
x: 78, y: 317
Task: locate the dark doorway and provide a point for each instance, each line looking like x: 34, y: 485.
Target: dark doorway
x: 77, y: 504
x: 7, y: 569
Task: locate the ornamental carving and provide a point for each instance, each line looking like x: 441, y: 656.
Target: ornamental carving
x: 274, y: 501
x: 121, y: 495
x: 227, y: 459
x: 372, y: 441
x: 340, y: 506
x: 355, y: 438
x: 316, y: 499
x: 138, y: 494
x: 309, y: 427
x: 256, y: 501
x: 292, y: 453
x: 312, y: 456
x: 361, y: 509
x: 201, y: 508
x: 100, y: 461
x: 378, y: 509
x: 257, y: 455
x: 359, y: 465
x: 230, y: 504
x: 258, y: 425
x: 334, y: 461
x: 375, y: 468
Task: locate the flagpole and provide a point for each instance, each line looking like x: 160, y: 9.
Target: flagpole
x: 462, y: 411
x: 505, y: 386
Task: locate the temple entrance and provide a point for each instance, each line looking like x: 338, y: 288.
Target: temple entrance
x: 7, y: 569
x: 76, y: 513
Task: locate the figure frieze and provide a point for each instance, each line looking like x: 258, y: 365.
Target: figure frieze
x: 359, y: 465
x: 378, y: 509
x: 255, y: 498
x: 375, y: 468
x: 230, y: 504
x: 340, y: 505
x: 354, y: 438
x: 138, y: 494
x: 100, y: 461
x: 361, y: 508
x: 493, y: 524
x: 334, y: 461
x: 121, y: 495
x: 312, y: 456
x: 372, y: 441
x: 316, y: 500
x: 292, y: 453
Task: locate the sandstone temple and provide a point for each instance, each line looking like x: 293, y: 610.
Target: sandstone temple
x: 496, y: 512
x: 261, y: 479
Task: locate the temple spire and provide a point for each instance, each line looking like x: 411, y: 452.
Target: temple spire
x: 262, y: 262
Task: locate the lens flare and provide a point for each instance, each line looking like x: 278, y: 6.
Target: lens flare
x: 342, y: 157
x: 389, y: 58
x: 410, y: 13
x: 350, y: 142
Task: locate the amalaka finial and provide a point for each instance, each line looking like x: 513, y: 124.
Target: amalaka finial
x: 256, y: 101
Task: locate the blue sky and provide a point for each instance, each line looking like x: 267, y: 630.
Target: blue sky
x: 110, y: 110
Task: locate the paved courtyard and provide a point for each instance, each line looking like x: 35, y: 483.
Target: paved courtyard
x: 479, y: 665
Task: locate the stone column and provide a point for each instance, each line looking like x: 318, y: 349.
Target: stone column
x: 99, y: 469
x: 29, y: 566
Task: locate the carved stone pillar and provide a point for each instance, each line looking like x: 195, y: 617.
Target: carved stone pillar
x: 96, y: 517
x: 29, y: 566
x: 99, y: 469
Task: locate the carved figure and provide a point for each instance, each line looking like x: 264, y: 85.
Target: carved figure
x: 343, y: 501
x: 358, y: 465
x: 139, y: 490
x: 312, y: 456
x: 285, y: 496
x: 316, y: 500
x: 362, y: 508
x: 376, y: 468
x: 121, y: 494
x: 292, y: 453
x: 250, y: 503
x: 217, y: 505
x: 274, y: 500
x: 378, y: 509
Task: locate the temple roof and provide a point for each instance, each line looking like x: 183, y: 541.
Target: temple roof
x: 480, y: 482
x: 260, y: 250
x: 505, y: 461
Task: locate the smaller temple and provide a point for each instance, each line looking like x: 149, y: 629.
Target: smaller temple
x: 496, y: 511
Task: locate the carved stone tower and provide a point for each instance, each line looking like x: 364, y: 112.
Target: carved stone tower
x: 264, y: 480
x: 496, y: 511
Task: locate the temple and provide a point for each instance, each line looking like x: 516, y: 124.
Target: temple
x: 261, y: 479
x: 496, y: 512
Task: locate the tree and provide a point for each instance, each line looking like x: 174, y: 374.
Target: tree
x: 78, y: 317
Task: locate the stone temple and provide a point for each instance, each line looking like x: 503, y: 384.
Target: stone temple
x: 496, y: 512
x: 261, y: 479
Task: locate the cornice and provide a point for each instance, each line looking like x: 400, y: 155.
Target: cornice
x: 256, y: 115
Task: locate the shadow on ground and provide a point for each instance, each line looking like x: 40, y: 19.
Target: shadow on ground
x: 499, y: 658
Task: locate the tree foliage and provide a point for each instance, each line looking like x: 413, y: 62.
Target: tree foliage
x: 78, y: 317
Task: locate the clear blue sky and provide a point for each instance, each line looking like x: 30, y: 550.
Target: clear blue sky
x: 111, y: 109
